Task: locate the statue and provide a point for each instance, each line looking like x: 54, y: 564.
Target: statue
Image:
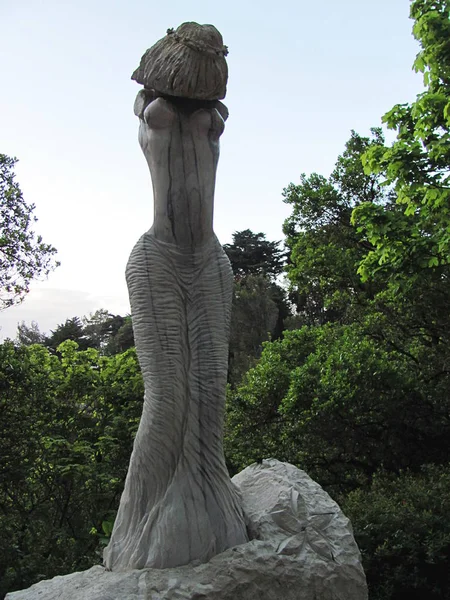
x: 179, y: 504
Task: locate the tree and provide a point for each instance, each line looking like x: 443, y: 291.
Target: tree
x: 325, y: 248
x: 326, y: 251
x: 359, y: 395
x: 416, y: 236
x: 101, y: 327
x: 71, y: 329
x: 30, y: 334
x: 123, y: 339
x: 260, y: 305
x: 108, y: 333
x: 410, y: 237
x: 23, y: 254
x: 340, y: 404
x: 401, y: 525
x: 254, y: 319
x: 67, y: 423
x: 251, y: 254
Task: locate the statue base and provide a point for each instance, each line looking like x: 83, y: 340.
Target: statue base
x: 302, y: 548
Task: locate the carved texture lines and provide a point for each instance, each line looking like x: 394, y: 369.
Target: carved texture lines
x: 178, y: 503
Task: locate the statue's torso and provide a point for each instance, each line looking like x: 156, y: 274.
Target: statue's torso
x: 182, y: 151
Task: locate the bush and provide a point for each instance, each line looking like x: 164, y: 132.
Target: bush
x: 402, y: 527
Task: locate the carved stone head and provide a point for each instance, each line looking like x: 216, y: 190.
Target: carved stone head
x: 188, y: 62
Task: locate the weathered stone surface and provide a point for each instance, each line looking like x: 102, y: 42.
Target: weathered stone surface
x: 178, y: 504
x: 306, y: 551
x: 188, y: 62
x: 284, y: 506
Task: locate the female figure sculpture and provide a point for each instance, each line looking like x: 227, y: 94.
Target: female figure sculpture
x: 178, y: 504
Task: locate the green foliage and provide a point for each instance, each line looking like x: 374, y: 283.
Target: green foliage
x: 402, y: 528
x: 359, y: 396
x: 258, y: 312
x: 67, y: 423
x: 251, y: 254
x: 72, y: 329
x: 325, y: 248
x: 260, y: 305
x: 340, y: 404
x: 122, y: 339
x: 107, y: 333
x: 254, y: 427
x: 23, y: 254
x: 100, y: 327
x: 416, y: 235
x: 30, y: 334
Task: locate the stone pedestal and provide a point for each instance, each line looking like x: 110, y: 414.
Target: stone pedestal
x: 302, y: 549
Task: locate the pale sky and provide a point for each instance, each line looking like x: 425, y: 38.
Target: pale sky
x: 302, y: 74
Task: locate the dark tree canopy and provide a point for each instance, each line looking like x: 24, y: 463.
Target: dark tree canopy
x: 102, y: 328
x: 23, y: 254
x: 260, y: 305
x: 108, y: 333
x: 71, y: 329
x: 325, y: 248
x: 251, y: 254
x: 30, y: 334
x: 122, y: 339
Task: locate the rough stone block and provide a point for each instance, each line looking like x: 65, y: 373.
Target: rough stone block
x: 303, y: 549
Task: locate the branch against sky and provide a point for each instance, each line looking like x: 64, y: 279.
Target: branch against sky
x: 23, y: 254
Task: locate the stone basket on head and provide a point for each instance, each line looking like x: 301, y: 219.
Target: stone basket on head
x: 188, y: 62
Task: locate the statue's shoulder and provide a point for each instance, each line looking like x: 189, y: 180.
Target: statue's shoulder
x: 160, y: 114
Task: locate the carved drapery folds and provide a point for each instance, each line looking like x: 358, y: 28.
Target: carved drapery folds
x: 179, y: 504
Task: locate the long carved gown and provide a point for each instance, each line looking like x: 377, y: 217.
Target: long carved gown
x: 178, y: 503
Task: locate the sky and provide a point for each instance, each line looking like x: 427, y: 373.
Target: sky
x: 302, y: 75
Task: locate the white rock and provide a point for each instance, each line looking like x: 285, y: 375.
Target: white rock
x: 305, y: 551
x: 285, y: 506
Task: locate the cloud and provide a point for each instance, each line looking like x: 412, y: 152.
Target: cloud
x: 52, y: 306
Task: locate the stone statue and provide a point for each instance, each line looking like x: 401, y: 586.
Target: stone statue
x: 179, y: 504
